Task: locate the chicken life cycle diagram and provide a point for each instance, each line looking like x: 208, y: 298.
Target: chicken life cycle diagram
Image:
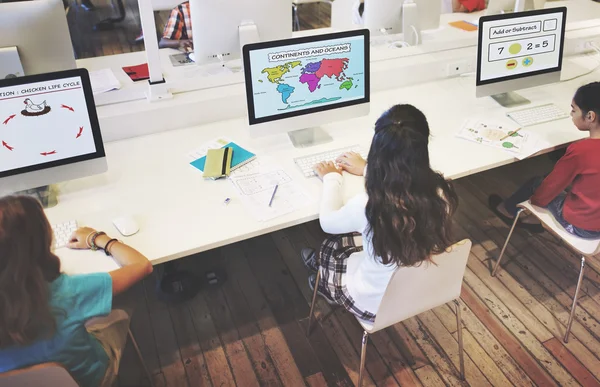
x: 43, y: 122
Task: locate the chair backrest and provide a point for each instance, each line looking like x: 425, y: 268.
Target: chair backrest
x: 39, y: 375
x: 413, y: 290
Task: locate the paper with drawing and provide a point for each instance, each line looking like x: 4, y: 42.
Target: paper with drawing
x: 521, y: 144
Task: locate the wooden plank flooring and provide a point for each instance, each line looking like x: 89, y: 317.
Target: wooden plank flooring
x: 250, y: 331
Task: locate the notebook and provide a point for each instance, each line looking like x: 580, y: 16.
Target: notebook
x: 239, y: 158
x: 218, y: 163
x: 137, y: 73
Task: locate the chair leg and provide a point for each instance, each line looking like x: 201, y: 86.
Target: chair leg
x: 512, y: 228
x: 363, y: 357
x: 312, y: 304
x: 572, y: 315
x: 460, y: 341
x: 137, y: 349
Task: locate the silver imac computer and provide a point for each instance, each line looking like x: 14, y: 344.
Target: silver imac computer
x: 495, y: 7
x: 34, y: 38
x: 386, y: 17
x: 519, y: 50
x: 49, y: 130
x: 223, y: 27
x: 295, y: 85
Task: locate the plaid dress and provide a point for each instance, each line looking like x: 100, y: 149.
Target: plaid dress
x: 333, y: 261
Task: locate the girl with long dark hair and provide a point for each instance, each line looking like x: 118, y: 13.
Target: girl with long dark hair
x: 402, y: 219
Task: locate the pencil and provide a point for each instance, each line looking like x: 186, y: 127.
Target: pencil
x: 273, y: 195
x: 510, y: 133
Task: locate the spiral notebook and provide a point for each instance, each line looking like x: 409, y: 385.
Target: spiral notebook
x: 239, y: 158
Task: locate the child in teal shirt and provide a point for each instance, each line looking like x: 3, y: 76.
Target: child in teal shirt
x: 43, y: 312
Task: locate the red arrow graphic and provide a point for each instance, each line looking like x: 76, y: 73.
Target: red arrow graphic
x: 48, y: 153
x: 80, y: 130
x: 4, y: 144
x: 67, y: 107
x: 9, y: 118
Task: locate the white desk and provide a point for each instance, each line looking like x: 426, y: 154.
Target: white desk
x: 181, y: 214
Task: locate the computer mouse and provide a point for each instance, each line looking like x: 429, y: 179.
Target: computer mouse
x: 126, y: 225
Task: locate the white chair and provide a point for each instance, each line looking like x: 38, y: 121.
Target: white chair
x: 54, y: 374
x: 585, y: 247
x: 414, y: 290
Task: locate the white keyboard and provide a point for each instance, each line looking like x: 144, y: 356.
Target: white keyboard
x: 306, y: 163
x: 537, y: 115
x: 62, y: 233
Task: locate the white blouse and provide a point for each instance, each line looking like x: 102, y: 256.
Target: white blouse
x: 366, y: 278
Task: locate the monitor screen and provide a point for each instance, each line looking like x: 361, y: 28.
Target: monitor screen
x: 520, y: 44
x: 299, y: 76
x: 46, y: 121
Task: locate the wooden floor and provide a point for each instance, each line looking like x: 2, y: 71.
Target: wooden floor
x: 250, y: 331
x: 89, y: 43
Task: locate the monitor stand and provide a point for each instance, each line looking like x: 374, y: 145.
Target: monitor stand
x: 308, y: 137
x: 10, y: 63
x: 510, y: 99
x: 47, y: 195
x: 248, y: 33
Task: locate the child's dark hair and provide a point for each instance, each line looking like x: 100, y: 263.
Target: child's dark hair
x: 587, y: 97
x: 410, y: 206
x: 27, y: 267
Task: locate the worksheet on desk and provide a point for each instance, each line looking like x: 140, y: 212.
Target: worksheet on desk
x: 502, y: 134
x: 255, y: 189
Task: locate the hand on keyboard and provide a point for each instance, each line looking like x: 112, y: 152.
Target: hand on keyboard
x: 307, y: 163
x: 326, y: 167
x: 352, y: 162
x: 63, y: 232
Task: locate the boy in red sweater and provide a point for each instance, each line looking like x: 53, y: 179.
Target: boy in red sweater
x: 578, y: 209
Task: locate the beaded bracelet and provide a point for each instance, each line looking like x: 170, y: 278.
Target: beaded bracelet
x: 94, y: 247
x: 106, y: 247
x: 87, y: 240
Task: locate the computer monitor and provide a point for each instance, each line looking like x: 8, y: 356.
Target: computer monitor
x: 39, y: 31
x: 384, y: 17
x: 495, y: 7
x: 49, y: 130
x: 300, y: 83
x: 222, y: 27
x: 519, y: 50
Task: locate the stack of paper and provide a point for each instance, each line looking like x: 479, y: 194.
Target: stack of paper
x: 103, y: 81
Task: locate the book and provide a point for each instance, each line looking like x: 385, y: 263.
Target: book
x: 464, y: 25
x: 240, y: 157
x: 218, y: 162
x: 137, y: 73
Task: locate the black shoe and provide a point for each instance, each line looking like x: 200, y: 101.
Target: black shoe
x: 175, y: 286
x: 495, y: 200
x: 309, y: 258
x: 311, y: 284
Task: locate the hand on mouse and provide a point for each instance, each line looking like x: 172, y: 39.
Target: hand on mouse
x: 80, y: 238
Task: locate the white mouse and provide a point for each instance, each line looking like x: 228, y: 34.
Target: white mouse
x: 126, y: 225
